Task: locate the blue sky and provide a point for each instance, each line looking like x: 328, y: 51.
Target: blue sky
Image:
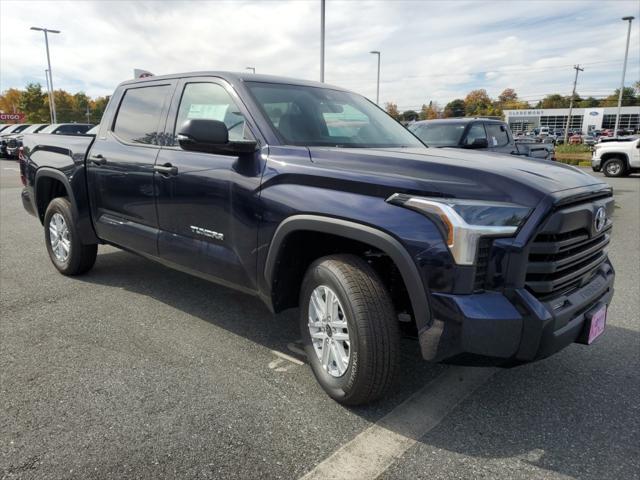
x: 431, y: 50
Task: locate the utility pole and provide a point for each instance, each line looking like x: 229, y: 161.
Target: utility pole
x: 46, y: 42
x: 624, y: 71
x: 88, y: 114
x: 322, y: 41
x: 573, y: 94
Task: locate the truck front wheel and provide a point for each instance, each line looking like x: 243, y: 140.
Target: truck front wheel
x: 349, y: 329
x: 614, y: 167
x: 68, y: 254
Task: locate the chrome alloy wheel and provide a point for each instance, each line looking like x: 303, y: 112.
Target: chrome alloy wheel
x: 329, y: 331
x: 59, y: 237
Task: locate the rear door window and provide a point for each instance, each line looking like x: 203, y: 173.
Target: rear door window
x: 497, y: 135
x: 139, y: 114
x: 476, y: 131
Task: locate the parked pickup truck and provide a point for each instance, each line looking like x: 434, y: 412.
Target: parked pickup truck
x: 478, y: 134
x: 310, y: 196
x: 617, y: 158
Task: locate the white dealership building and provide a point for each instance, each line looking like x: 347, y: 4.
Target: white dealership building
x: 584, y: 119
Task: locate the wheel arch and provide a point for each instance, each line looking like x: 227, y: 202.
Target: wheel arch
x: 611, y: 155
x: 357, y: 232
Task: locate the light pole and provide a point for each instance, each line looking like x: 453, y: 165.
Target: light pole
x: 46, y: 42
x: 376, y: 52
x: 624, y: 71
x: 322, y: 41
x: 253, y: 69
x: 49, y: 94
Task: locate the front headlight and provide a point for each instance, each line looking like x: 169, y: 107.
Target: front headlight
x: 464, y: 222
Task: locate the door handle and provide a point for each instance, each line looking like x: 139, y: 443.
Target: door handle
x: 97, y: 159
x: 166, y: 169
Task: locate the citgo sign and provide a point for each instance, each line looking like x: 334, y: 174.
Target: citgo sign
x: 12, y: 117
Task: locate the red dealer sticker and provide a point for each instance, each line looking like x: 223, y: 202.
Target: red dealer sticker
x: 12, y: 117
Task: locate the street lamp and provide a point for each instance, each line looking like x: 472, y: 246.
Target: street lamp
x: 376, y: 52
x: 624, y: 71
x: 46, y: 42
x: 253, y: 69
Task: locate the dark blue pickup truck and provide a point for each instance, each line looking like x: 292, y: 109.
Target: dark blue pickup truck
x: 310, y: 196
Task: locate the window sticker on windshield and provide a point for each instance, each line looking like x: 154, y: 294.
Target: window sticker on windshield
x: 210, y: 112
x: 495, y: 141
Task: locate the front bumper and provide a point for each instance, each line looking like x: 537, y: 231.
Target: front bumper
x: 510, y: 328
x: 595, y: 161
x: 12, y: 152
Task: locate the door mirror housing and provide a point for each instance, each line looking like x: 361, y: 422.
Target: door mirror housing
x: 478, y: 143
x: 211, y: 136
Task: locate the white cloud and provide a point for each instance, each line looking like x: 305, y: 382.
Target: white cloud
x: 430, y: 50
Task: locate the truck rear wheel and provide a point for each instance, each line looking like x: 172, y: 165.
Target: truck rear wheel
x: 349, y: 329
x: 68, y: 254
x: 614, y: 167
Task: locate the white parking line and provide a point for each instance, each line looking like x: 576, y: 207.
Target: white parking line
x: 14, y: 169
x: 287, y: 357
x: 370, y: 453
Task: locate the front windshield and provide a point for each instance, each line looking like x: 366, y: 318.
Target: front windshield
x: 313, y: 116
x: 439, y: 134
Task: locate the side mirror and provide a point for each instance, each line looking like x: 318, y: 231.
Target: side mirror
x: 478, y: 143
x: 211, y: 136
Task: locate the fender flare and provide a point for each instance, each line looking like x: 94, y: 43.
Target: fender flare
x: 85, y: 228
x: 610, y: 155
x: 362, y: 233
x: 47, y: 172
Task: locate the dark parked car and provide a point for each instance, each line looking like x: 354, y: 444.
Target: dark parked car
x: 10, y: 130
x: 477, y: 134
x: 14, y: 140
x: 310, y: 196
x: 68, y: 128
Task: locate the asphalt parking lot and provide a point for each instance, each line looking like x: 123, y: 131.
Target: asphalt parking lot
x: 137, y: 371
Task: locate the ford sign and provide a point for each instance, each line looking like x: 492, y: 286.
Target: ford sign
x: 594, y: 114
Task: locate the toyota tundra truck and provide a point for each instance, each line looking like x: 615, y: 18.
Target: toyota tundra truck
x: 309, y: 196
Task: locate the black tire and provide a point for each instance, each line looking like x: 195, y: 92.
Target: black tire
x: 372, y: 326
x: 81, y: 257
x: 614, y: 167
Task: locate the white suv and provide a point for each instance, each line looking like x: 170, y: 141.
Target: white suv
x: 617, y: 158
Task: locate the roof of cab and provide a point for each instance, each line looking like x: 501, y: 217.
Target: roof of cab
x: 235, y: 77
x: 461, y: 120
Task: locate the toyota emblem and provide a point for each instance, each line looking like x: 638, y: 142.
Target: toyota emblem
x: 600, y: 219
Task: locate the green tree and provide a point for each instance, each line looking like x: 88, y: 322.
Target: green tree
x: 589, y: 102
x: 455, y: 108
x: 64, y: 106
x: 410, y: 116
x: 628, y: 98
x: 80, y: 106
x: 554, y: 100
x: 96, y: 109
x: 34, y: 104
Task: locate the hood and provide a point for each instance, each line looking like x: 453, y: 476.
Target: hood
x: 457, y: 173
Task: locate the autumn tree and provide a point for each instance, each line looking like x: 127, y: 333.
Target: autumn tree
x: 96, y: 109
x: 508, y: 100
x: 430, y: 112
x: 10, y: 100
x: 392, y: 109
x: 410, y: 116
x: 478, y: 103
